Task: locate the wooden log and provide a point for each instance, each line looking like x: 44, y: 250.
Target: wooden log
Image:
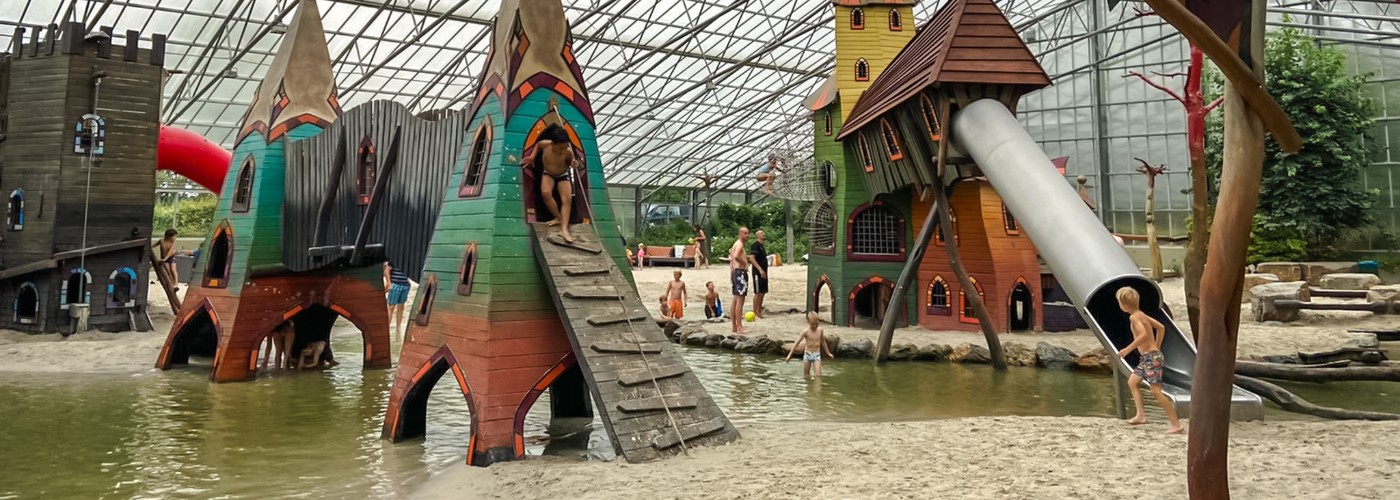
x: 1374, y: 307
x: 1347, y: 354
x: 1293, y: 403
x: 975, y: 299
x: 1302, y: 373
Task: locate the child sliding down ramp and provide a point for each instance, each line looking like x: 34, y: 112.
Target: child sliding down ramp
x: 1086, y: 260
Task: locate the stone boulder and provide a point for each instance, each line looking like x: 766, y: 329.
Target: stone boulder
x: 695, y: 337
x: 968, y: 353
x: 1362, y: 340
x: 934, y: 352
x: 1389, y: 294
x: 729, y: 343
x: 1314, y: 271
x: 757, y: 345
x: 713, y: 340
x: 1349, y: 281
x: 832, y: 342
x: 1053, y: 357
x: 1285, y: 271
x: 855, y: 349
x: 1262, y: 305
x: 903, y: 352
x: 1017, y: 354
x: 1095, y: 361
x: 1253, y: 280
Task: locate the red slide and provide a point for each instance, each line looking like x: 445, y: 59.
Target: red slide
x: 191, y: 155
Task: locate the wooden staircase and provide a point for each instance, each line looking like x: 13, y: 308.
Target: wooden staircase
x: 651, y: 403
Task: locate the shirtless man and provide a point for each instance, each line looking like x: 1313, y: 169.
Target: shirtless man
x: 676, y: 296
x: 739, y: 280
x: 167, y: 256
x: 814, y: 341
x: 1147, y: 340
x: 554, y: 163
x: 281, y: 340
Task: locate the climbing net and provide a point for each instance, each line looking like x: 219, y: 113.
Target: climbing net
x: 821, y: 225
x: 799, y: 178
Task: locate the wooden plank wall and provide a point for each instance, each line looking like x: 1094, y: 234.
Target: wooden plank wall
x: 429, y: 151
x: 34, y: 151
x: 877, y: 44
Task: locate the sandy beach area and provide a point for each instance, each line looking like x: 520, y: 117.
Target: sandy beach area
x: 983, y: 457
x: 786, y: 299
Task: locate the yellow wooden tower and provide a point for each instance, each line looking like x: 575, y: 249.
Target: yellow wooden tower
x: 869, y: 33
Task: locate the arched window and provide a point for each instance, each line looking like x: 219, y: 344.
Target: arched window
x: 930, y: 115
x: 121, y: 288
x: 939, y: 238
x: 425, y: 300
x: 857, y: 19
x: 1012, y: 226
x: 27, y: 304
x: 826, y: 121
x: 821, y: 228
x: 90, y: 135
x: 937, y: 301
x: 216, y: 269
x: 14, y: 220
x: 75, y: 288
x: 467, y: 273
x: 862, y: 70
x: 967, y: 315
x: 828, y: 178
x: 891, y: 140
x: 475, y: 173
x: 896, y: 20
x: 366, y: 170
x: 867, y: 160
x: 875, y: 232
x: 243, y: 187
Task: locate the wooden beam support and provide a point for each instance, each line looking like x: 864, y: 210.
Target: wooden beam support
x: 376, y: 199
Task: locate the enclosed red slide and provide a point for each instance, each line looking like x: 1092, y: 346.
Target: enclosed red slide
x: 191, y: 155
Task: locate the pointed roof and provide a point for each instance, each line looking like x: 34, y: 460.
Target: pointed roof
x: 967, y: 41
x: 824, y: 96
x: 306, y: 94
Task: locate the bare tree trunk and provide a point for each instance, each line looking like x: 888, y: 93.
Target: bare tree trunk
x: 945, y: 220
x: 1195, y: 261
x: 1295, y: 404
x: 1303, y: 373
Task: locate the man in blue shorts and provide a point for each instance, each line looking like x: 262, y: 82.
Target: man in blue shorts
x: 397, y: 284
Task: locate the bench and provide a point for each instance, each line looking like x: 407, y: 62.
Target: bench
x: 665, y: 256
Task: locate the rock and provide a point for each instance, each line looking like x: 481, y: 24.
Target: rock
x: 903, y: 352
x: 1017, y: 354
x: 1314, y: 271
x: 968, y: 353
x: 856, y: 349
x: 1262, y: 305
x: 728, y: 343
x: 713, y: 340
x: 757, y: 345
x: 673, y: 330
x: 934, y: 352
x: 832, y: 342
x: 1285, y: 271
x: 1053, y: 357
x: 695, y: 338
x: 1253, y: 280
x: 1362, y: 340
x: 1095, y: 361
x: 1389, y: 294
x: 1349, y: 281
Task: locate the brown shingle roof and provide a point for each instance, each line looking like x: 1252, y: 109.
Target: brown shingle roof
x: 967, y: 41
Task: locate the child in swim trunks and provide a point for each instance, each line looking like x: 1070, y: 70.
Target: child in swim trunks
x: 676, y: 296
x: 1147, y: 340
x: 712, y: 307
x: 814, y: 341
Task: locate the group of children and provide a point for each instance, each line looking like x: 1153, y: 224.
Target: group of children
x: 280, y: 345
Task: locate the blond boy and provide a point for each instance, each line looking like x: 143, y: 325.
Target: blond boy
x: 1147, y: 340
x: 814, y: 341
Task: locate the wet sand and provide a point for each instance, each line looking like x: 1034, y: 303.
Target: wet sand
x: 983, y: 457
x: 1317, y: 331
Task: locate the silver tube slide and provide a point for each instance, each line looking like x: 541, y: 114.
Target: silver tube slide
x: 1084, y: 257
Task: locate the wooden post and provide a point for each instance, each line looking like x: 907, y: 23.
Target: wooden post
x: 1207, y: 453
x: 1150, y: 215
x: 945, y: 219
x: 901, y: 286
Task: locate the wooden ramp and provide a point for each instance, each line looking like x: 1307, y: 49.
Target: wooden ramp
x: 634, y: 373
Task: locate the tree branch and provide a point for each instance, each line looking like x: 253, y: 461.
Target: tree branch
x: 1143, y: 13
x: 1168, y: 75
x: 1157, y: 86
x: 1211, y: 107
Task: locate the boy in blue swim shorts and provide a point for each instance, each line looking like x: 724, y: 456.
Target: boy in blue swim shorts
x: 396, y: 283
x: 814, y: 342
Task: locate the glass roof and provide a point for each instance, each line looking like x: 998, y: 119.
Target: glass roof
x: 681, y: 87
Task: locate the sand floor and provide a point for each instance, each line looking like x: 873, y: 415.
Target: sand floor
x: 1317, y: 331
x: 983, y: 457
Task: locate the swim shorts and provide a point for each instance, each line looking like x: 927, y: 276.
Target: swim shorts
x: 812, y: 357
x: 760, y: 283
x: 677, y: 309
x: 739, y: 281
x: 398, y: 294
x: 711, y: 311
x: 1150, y: 367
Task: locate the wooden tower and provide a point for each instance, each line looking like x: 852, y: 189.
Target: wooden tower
x: 242, y: 287
x: 79, y: 118
x: 852, y: 273
x: 510, y: 313
x: 967, y: 51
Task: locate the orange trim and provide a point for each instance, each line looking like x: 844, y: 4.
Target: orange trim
x: 292, y: 312
x: 340, y: 310
x: 525, y: 89
x: 564, y: 90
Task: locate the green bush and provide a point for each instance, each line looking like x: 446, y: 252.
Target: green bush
x: 678, y: 232
x: 1309, y: 198
x: 195, y: 216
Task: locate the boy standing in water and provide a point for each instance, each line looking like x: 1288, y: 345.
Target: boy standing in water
x: 554, y: 164
x: 676, y: 296
x: 396, y: 285
x: 815, y: 342
x: 1147, y: 340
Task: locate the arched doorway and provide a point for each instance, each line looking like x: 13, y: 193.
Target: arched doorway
x: 198, y: 336
x: 1020, y: 311
x: 825, y: 310
x: 868, y: 302
x: 27, y: 304
x: 536, y: 209
x: 75, y: 288
x: 216, y: 269
x: 313, y: 323
x: 411, y: 421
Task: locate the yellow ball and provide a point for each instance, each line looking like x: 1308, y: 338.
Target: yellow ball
x: 692, y: 241
x: 749, y: 316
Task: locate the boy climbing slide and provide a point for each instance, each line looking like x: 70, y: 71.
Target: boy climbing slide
x: 1147, y: 340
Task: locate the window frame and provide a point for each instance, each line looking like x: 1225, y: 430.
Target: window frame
x: 891, y: 136
x: 932, y: 309
x: 929, y: 112
x: 427, y: 295
x: 478, y: 159
x: 243, y: 187
x: 466, y: 272
x: 964, y: 305
x: 938, y: 237
x: 14, y: 215
x: 38, y: 304
x: 223, y: 229
x: 862, y: 70
x: 896, y: 20
x: 827, y: 123
x: 63, y: 302
x: 1009, y: 222
x: 133, y: 288
x: 852, y: 255
x: 366, y: 162
x: 97, y: 142
x: 857, y: 18
x: 867, y: 159
x: 827, y: 250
